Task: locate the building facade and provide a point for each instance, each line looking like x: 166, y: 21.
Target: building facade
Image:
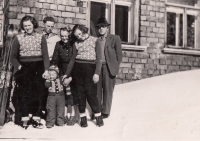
x: 158, y: 36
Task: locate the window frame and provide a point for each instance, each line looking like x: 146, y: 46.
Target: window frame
x: 185, y: 10
x: 133, y: 22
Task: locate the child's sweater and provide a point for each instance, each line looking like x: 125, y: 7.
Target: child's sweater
x: 55, y: 87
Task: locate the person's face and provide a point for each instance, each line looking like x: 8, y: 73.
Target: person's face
x: 102, y: 29
x: 28, y: 27
x: 48, y: 26
x: 64, y: 36
x: 79, y: 34
x: 10, y: 33
x: 53, y: 74
x: 15, y: 32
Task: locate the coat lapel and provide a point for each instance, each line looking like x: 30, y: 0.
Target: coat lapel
x: 107, y: 40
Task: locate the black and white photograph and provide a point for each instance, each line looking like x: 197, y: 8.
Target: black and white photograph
x: 100, y: 70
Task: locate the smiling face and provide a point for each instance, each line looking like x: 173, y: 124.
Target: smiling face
x: 79, y: 34
x: 53, y: 74
x: 64, y: 36
x: 48, y: 26
x: 102, y: 30
x: 28, y: 27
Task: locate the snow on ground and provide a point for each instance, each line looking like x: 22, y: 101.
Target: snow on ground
x: 154, y: 109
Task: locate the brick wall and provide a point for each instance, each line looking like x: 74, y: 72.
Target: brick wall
x: 152, y: 21
x: 64, y: 11
x: 135, y: 65
x: 2, y: 3
x: 153, y: 62
x: 5, y: 12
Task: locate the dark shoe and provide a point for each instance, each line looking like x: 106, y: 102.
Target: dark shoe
x: 49, y: 126
x: 105, y: 115
x: 25, y: 124
x: 84, y: 121
x: 43, y: 115
x: 8, y: 115
x: 92, y: 117
x: 71, y: 121
x: 99, y: 121
x: 36, y: 124
x: 66, y: 119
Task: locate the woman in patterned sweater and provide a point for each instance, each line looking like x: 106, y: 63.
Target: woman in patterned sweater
x: 30, y: 59
x: 86, y: 72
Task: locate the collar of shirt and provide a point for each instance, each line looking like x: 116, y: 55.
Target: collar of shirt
x: 46, y: 34
x: 32, y: 34
x: 103, y: 37
x: 66, y: 45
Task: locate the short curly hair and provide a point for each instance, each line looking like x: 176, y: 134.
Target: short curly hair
x: 28, y: 18
x: 51, y: 19
x: 67, y: 28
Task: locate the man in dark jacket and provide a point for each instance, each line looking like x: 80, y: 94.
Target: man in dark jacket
x: 111, y: 58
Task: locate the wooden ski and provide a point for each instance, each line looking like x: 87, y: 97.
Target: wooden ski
x: 5, y: 84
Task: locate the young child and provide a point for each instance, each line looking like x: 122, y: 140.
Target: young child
x: 62, y: 58
x: 56, y: 98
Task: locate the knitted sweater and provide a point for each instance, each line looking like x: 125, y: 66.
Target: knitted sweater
x: 62, y: 55
x: 29, y: 48
x: 55, y: 86
x: 88, y: 51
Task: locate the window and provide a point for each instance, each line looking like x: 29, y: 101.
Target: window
x: 182, y: 23
x: 122, y: 14
x: 121, y: 22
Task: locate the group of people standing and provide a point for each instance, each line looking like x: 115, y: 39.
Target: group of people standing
x: 75, y: 68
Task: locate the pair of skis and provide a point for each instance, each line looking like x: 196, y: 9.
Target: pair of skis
x: 5, y: 82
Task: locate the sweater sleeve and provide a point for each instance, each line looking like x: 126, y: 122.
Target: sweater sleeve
x: 98, y: 56
x: 55, y: 58
x: 15, y: 54
x: 45, y: 53
x: 71, y: 62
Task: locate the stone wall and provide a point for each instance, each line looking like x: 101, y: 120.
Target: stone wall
x: 64, y: 11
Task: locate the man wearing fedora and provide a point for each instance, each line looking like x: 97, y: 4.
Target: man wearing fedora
x: 111, y: 57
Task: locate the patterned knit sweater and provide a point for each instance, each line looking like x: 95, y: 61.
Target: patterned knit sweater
x: 88, y: 51
x: 29, y: 48
x: 54, y: 87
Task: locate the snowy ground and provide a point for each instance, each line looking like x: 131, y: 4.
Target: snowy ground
x: 155, y: 109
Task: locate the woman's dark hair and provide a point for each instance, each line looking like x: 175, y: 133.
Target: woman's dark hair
x: 28, y: 18
x: 81, y: 27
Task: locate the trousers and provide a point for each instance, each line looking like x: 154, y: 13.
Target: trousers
x: 105, y: 88
x: 86, y: 89
x: 55, y: 109
x: 30, y: 85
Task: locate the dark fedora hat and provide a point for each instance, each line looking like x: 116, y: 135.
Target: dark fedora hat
x: 101, y: 21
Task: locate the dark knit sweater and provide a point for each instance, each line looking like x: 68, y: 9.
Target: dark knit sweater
x: 62, y: 55
x: 29, y: 48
